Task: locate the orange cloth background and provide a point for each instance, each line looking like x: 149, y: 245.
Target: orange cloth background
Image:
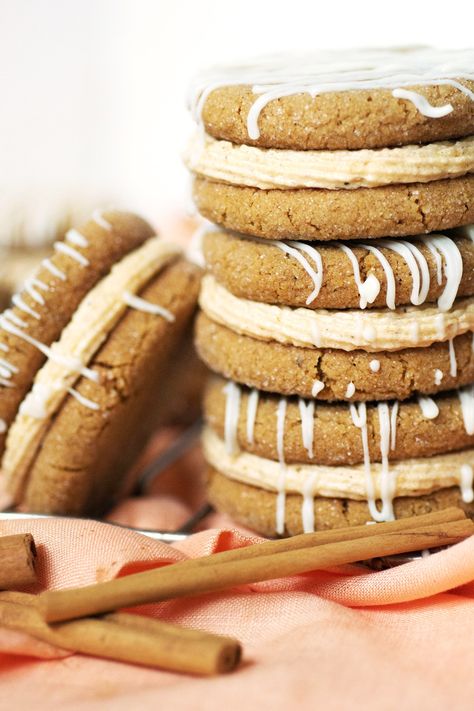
x: 397, y: 639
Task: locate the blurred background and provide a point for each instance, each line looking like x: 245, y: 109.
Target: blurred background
x: 93, y: 92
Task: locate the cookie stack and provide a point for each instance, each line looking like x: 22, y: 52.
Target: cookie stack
x: 338, y: 307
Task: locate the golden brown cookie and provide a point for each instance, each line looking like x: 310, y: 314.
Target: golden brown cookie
x: 323, y: 276
x: 255, y: 507
x: 85, y: 453
x: 316, y: 214
x: 326, y: 374
x: 328, y: 434
x: 337, y: 120
x: 46, y: 304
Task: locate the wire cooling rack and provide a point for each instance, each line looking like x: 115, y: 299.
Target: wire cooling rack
x: 181, y: 445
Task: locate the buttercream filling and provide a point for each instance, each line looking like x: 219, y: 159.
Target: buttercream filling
x: 88, y: 329
x: 273, y: 168
x: 372, y: 331
x: 411, y: 477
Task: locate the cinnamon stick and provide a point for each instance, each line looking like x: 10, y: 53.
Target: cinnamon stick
x: 17, y: 561
x: 127, y: 638
x: 190, y: 578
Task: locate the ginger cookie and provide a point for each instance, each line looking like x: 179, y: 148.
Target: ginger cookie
x: 318, y: 214
x: 256, y: 508
x: 384, y: 273
x: 95, y: 401
x: 293, y: 431
x: 44, y: 307
x: 332, y: 374
x: 339, y: 100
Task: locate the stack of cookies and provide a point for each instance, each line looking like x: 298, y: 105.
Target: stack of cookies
x: 338, y: 308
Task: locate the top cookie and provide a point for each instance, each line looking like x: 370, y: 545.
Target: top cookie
x: 339, y: 100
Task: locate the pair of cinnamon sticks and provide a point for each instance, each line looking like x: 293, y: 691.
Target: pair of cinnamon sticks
x: 128, y: 637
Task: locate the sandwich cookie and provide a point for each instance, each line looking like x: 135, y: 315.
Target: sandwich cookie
x: 329, y: 460
x: 93, y: 404
x: 44, y: 307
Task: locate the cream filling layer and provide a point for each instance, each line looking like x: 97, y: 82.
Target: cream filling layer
x: 372, y: 331
x: 88, y: 329
x: 412, y: 477
x: 268, y: 168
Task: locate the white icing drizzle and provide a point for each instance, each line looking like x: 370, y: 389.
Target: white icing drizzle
x: 438, y: 261
x: 307, y: 509
x: 315, y: 73
x: 418, y: 266
x: 100, y: 220
x: 438, y: 376
x: 31, y: 287
x: 71, y: 252
x: 74, y: 364
x: 389, y: 275
x: 387, y: 487
x: 90, y: 404
x: 3, y: 426
x: 294, y: 249
x: 19, y: 302
x: 422, y: 104
x: 53, y: 269
x: 6, y: 383
x: 466, y: 399
x: 374, y: 365
x: 466, y: 481
x: 8, y: 314
x: 453, y: 365
x: 316, y: 388
x: 252, y: 405
x: 75, y: 237
x: 350, y: 390
x: 368, y: 289
x: 453, y: 267
x: 232, y: 409
x: 307, y: 424
x: 359, y: 418
x: 135, y: 302
x: 428, y: 407
x: 281, y: 495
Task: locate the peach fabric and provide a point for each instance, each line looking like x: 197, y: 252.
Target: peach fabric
x: 398, y: 639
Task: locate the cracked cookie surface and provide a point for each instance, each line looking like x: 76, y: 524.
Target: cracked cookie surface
x: 337, y: 440
x: 292, y: 370
x: 315, y: 214
x: 260, y: 271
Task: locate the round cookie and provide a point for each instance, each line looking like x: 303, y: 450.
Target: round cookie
x: 327, y: 434
x: 323, y: 276
x: 325, y: 374
x: 46, y: 304
x: 339, y: 100
x: 317, y: 214
x: 85, y: 453
x: 255, y: 508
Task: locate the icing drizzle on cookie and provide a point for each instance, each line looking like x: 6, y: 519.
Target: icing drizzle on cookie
x: 277, y: 76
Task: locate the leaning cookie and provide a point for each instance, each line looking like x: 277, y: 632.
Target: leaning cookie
x: 96, y: 400
x: 44, y: 307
